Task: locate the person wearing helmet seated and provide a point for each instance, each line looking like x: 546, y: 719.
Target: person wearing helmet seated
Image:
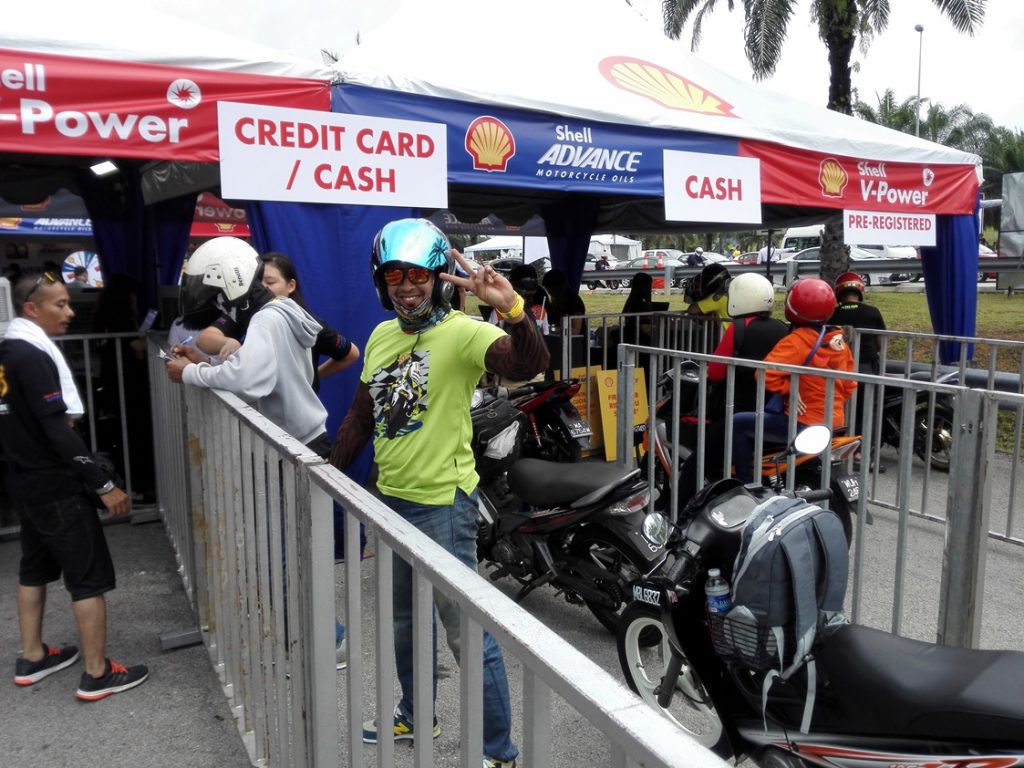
x: 696, y: 257
x: 852, y: 311
x: 751, y: 299
x: 809, y: 305
x: 562, y: 301
x: 751, y: 337
x: 708, y: 292
x: 524, y: 281
x: 273, y: 368
x: 419, y: 373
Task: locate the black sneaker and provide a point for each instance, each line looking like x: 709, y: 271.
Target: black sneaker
x: 115, y: 680
x: 54, y: 660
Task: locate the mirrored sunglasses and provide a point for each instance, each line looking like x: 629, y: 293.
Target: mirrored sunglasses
x: 416, y: 275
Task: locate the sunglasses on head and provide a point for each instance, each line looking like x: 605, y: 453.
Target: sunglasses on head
x: 416, y: 275
x: 35, y: 287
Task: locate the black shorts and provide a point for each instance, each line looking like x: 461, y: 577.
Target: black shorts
x: 65, y: 536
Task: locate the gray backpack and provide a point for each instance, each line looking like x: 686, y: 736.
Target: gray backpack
x: 789, y: 581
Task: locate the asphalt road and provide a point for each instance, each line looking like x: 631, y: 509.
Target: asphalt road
x: 180, y: 716
x: 578, y: 743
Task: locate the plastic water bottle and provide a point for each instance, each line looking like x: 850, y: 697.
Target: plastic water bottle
x: 717, y: 591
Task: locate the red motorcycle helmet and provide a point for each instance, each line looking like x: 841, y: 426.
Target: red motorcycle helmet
x: 849, y: 281
x: 811, y: 301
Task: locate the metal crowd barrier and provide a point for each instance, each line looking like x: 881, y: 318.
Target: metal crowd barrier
x: 603, y: 333
x: 967, y: 491
x: 249, y: 512
x: 997, y: 367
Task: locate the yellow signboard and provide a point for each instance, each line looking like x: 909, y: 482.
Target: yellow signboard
x: 608, y: 398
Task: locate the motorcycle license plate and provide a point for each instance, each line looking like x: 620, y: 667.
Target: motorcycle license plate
x: 647, y: 595
x: 850, y: 487
x: 578, y: 428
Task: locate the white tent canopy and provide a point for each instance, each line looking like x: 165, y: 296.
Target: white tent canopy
x: 509, y: 245
x: 616, y: 247
x: 556, y: 69
x: 116, y: 30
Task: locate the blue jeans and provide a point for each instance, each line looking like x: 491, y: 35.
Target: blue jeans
x: 776, y: 430
x: 454, y: 528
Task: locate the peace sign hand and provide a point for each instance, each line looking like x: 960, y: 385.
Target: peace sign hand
x: 486, y: 284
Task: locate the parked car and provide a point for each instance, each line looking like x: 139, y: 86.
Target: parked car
x: 647, y: 262
x: 750, y: 257
x: 872, y: 268
x: 711, y: 257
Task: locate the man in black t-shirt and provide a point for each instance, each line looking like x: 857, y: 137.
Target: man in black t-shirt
x: 54, y: 483
x: 852, y: 311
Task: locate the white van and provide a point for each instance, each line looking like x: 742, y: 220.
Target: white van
x: 797, y: 238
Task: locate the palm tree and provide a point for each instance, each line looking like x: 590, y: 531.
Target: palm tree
x: 840, y: 24
x: 959, y: 127
x: 898, y: 116
x: 1003, y: 153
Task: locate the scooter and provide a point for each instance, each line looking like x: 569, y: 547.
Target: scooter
x: 775, y: 461
x: 881, y: 701
x: 580, y: 527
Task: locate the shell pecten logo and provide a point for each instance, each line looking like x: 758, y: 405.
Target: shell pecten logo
x: 490, y: 143
x: 662, y: 86
x: 832, y: 177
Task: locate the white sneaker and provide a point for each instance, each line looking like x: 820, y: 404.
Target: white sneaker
x: 341, y: 654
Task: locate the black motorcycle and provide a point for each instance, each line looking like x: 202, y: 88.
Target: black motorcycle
x: 932, y: 443
x: 580, y: 527
x: 555, y: 429
x: 881, y: 701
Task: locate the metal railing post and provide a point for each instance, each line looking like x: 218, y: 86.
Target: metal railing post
x: 967, y: 513
x: 316, y: 561
x: 624, y: 408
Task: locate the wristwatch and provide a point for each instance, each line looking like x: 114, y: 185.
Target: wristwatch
x: 107, y: 487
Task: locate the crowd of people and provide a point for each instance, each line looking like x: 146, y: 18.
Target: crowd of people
x: 255, y: 336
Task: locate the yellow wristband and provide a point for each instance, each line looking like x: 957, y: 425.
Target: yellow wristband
x: 516, y: 310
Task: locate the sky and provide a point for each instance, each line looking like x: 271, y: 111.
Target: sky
x: 981, y: 72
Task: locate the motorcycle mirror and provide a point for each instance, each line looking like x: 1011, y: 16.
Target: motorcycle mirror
x: 812, y: 440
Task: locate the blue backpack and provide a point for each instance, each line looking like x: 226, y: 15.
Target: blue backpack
x: 789, y: 582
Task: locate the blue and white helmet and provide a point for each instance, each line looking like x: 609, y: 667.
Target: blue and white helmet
x: 417, y: 243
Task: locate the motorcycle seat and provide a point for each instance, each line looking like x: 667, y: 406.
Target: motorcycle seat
x: 889, y: 685
x: 547, y: 483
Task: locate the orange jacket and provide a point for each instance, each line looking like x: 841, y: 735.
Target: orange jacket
x: 833, y: 354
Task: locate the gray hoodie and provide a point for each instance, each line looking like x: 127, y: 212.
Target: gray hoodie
x: 273, y: 370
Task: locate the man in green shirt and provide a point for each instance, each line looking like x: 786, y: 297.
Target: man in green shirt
x: 420, y: 370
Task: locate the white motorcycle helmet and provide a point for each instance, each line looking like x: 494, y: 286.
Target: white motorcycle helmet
x: 223, y: 266
x: 750, y: 294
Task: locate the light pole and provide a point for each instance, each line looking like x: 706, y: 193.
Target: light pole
x: 919, y: 28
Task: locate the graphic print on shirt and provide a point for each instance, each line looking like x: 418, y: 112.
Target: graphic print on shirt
x: 399, y: 394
